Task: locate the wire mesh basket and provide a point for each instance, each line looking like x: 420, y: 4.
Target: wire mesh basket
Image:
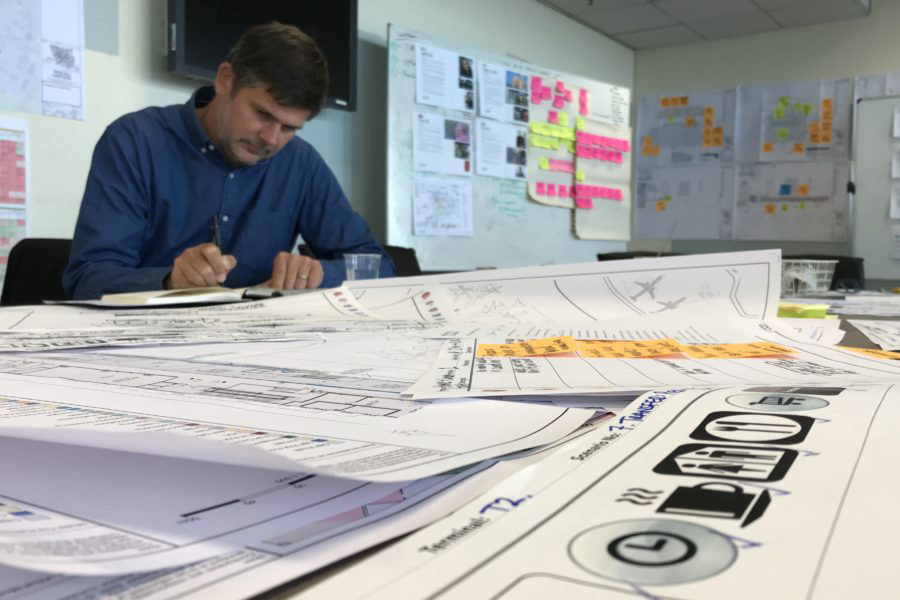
x: 800, y: 277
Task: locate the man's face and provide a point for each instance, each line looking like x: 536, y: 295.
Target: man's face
x: 250, y: 125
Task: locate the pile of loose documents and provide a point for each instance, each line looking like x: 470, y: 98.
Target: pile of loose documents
x: 643, y: 428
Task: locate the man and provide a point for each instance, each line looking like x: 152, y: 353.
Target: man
x: 216, y: 191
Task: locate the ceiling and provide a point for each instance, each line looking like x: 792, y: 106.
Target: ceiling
x: 641, y: 24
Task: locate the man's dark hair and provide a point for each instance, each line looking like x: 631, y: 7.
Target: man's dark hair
x: 286, y: 61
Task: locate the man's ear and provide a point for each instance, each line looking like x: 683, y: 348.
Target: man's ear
x: 224, y: 79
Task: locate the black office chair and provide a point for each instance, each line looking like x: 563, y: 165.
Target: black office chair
x: 634, y: 254
x: 849, y: 274
x: 34, y: 271
x: 404, y: 259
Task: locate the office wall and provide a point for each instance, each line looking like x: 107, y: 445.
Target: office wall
x: 828, y: 51
x: 131, y: 74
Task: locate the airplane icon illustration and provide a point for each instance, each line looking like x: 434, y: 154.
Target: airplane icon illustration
x: 647, y: 287
x: 671, y: 305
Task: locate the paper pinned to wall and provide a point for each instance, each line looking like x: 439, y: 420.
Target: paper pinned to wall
x: 896, y: 132
x: 792, y: 201
x: 502, y: 93
x: 42, y: 57
x: 442, y: 145
x: 442, y: 206
x: 876, y: 86
x: 445, y: 79
x: 14, y: 169
x: 895, y: 200
x: 500, y: 149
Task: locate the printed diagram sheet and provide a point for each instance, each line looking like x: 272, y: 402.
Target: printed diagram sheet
x: 707, y: 490
x: 500, y: 149
x: 503, y: 93
x: 795, y: 201
x: 14, y: 169
x: 299, y: 426
x: 686, y: 130
x: 742, y: 285
x: 444, y: 79
x: 886, y: 334
x: 688, y: 204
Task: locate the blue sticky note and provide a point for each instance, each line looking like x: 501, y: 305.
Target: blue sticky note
x: 785, y: 189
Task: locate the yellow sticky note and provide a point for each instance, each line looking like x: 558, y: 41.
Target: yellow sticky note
x: 736, y: 350
x: 796, y: 310
x: 544, y: 163
x: 579, y: 123
x: 554, y: 143
x: 564, y: 119
x: 628, y: 349
x: 579, y: 175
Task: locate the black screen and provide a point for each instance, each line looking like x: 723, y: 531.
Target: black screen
x: 205, y: 30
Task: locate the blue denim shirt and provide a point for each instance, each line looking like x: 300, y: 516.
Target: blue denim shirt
x: 155, y: 183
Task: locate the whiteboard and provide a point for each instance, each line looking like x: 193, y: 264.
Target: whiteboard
x: 508, y: 230
x: 872, y: 237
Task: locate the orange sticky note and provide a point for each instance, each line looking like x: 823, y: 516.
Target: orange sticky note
x: 873, y: 352
x: 799, y: 148
x: 664, y: 102
x: 826, y: 126
x: 661, y: 206
x: 827, y: 103
x: 533, y: 347
x: 813, y: 128
x: 803, y: 189
x: 770, y: 209
x: 709, y: 111
x: 628, y: 348
x: 685, y: 100
x: 735, y: 350
x: 768, y: 147
x: 827, y: 115
x: 648, y: 140
x: 708, y: 122
x: 826, y: 138
x: 718, y: 140
x: 690, y: 121
x: 814, y: 138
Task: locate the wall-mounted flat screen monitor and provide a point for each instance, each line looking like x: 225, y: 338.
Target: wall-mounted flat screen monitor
x: 201, y: 32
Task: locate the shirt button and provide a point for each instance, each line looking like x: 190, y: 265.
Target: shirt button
x: 231, y: 176
x: 203, y: 150
x: 224, y: 218
x: 211, y: 147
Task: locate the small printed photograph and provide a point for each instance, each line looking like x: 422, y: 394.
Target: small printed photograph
x: 470, y: 101
x: 458, y: 131
x: 516, y: 80
x: 520, y: 114
x: 465, y: 67
x: 520, y: 140
x: 514, y: 156
x: 465, y: 84
x: 515, y: 97
x: 520, y: 172
x: 461, y: 150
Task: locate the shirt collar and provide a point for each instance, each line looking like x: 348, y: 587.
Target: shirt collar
x: 197, y: 133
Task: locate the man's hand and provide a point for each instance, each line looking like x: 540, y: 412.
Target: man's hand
x: 200, y: 266
x: 295, y: 272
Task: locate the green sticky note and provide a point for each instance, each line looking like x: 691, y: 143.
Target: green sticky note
x: 544, y: 163
x: 785, y: 207
x: 784, y: 101
x: 670, y: 120
x: 783, y: 134
x: 778, y: 113
x: 807, y: 109
x: 801, y: 205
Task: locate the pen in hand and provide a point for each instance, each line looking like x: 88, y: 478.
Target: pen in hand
x: 216, y: 234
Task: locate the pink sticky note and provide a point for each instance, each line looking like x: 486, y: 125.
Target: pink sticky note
x: 617, y: 194
x: 584, y: 203
x: 535, y: 98
x: 581, y: 137
x: 602, y: 192
x: 579, y: 190
x: 553, y: 117
x: 560, y: 86
x: 551, y: 189
x: 535, y: 81
x: 541, y: 188
x: 582, y: 96
x: 617, y: 157
x: 601, y: 154
x: 546, y: 92
x: 568, y: 95
x: 582, y: 109
x: 626, y: 146
x: 581, y: 151
x: 558, y: 102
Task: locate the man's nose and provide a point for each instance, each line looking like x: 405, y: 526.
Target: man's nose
x: 269, y: 133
